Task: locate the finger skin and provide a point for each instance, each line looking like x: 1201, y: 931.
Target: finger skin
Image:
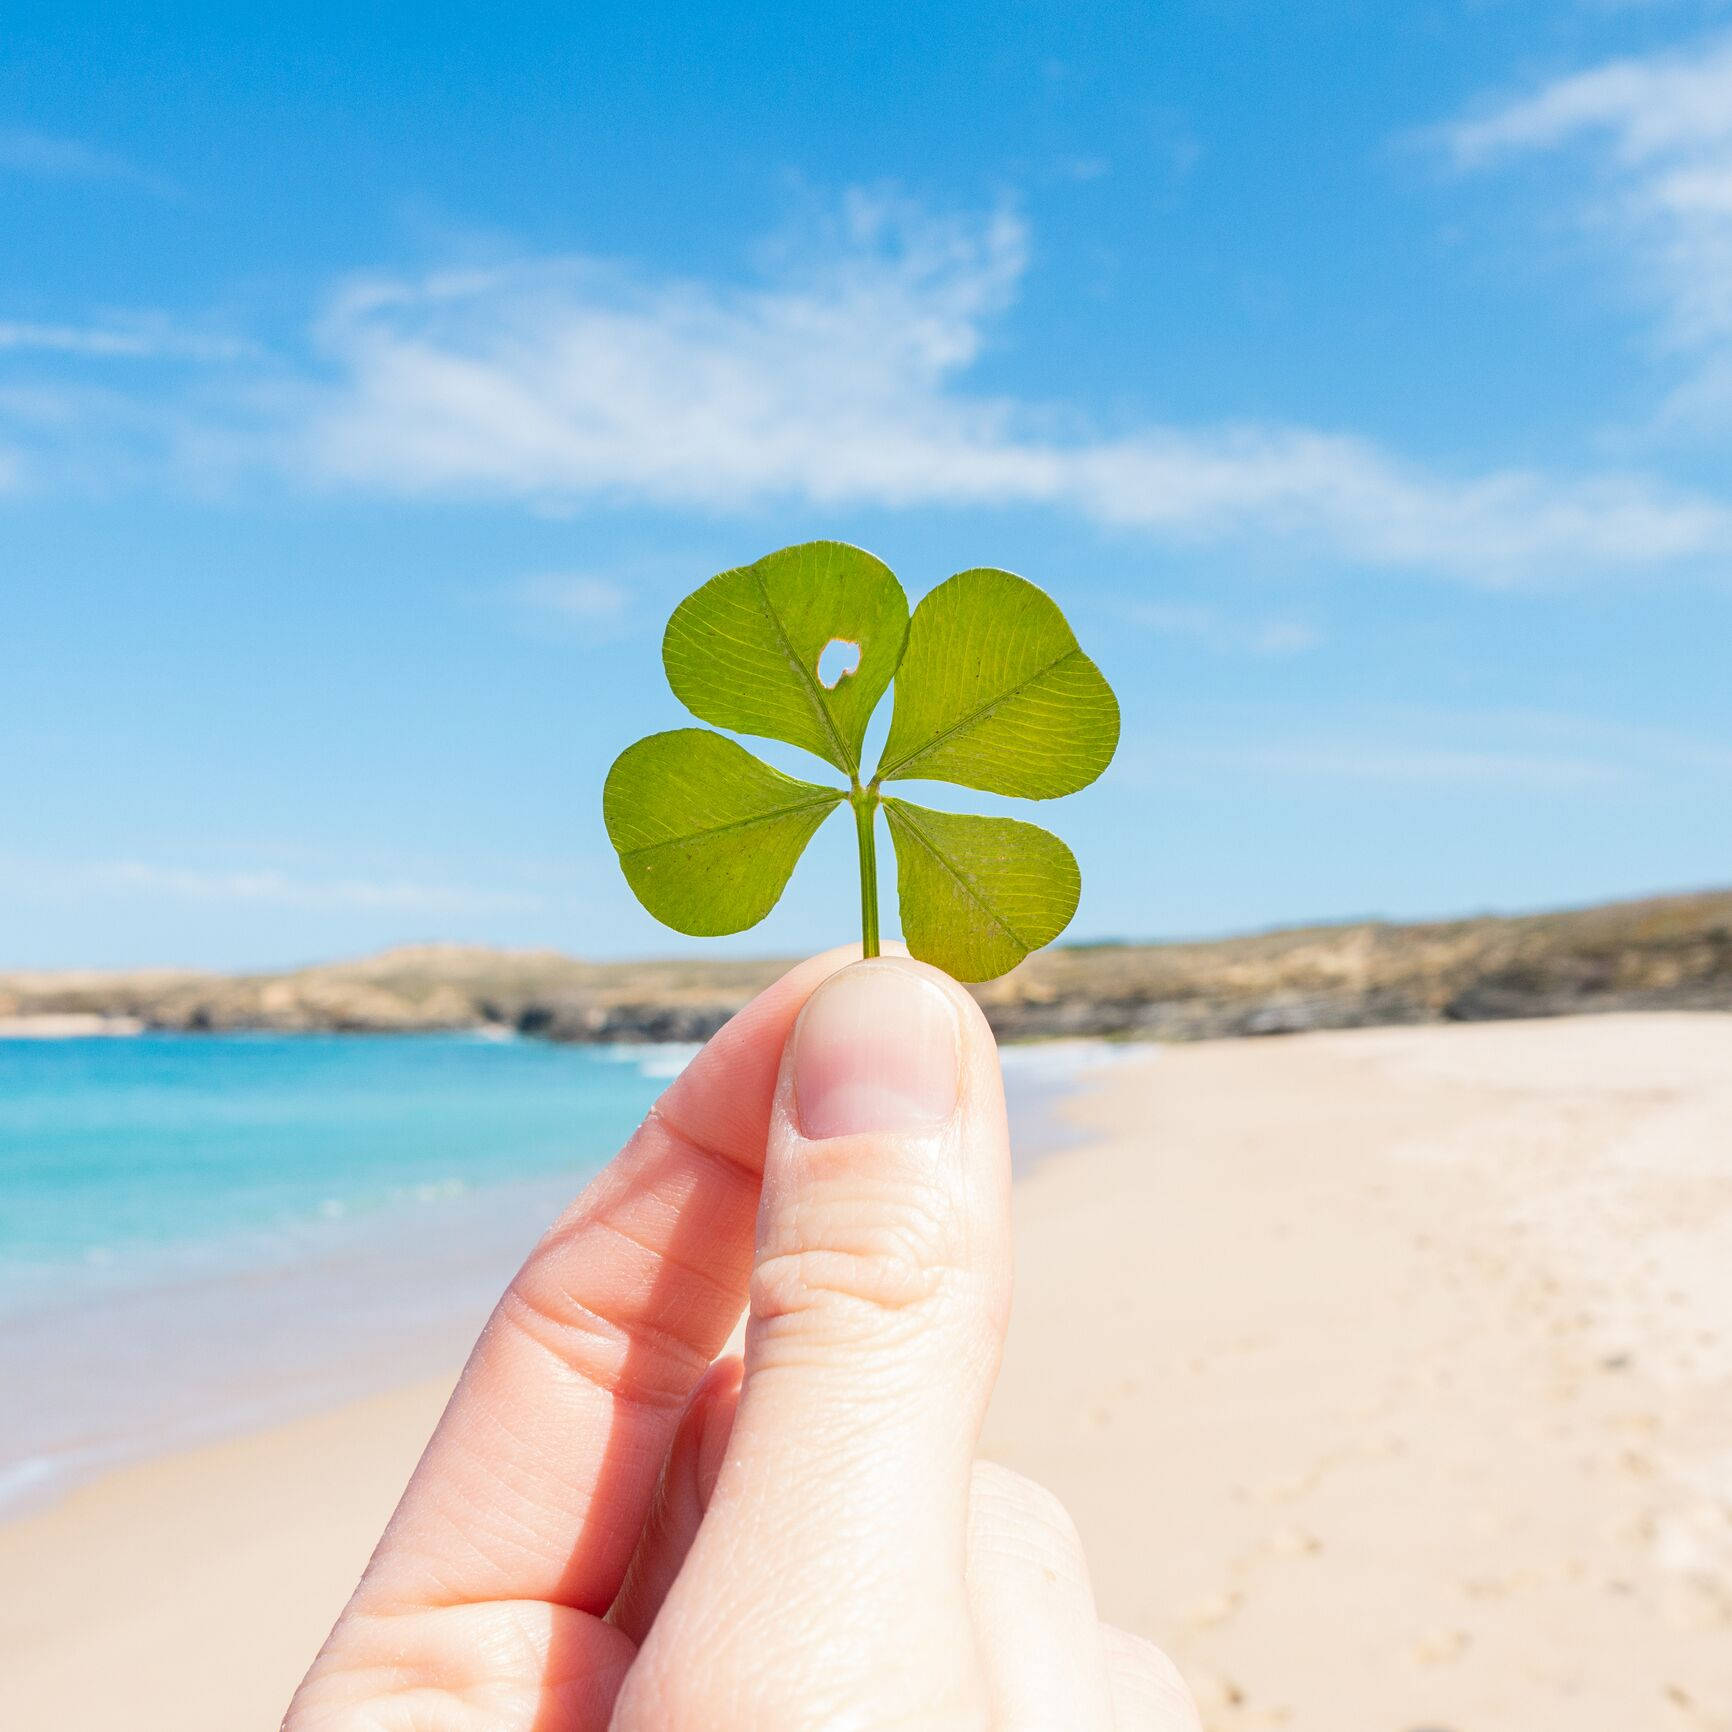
x: 1148, y: 1693
x: 508, y: 1666
x: 483, y: 1603
x: 688, y: 1480
x: 538, y: 1479
x: 1034, y: 1609
x: 826, y: 1586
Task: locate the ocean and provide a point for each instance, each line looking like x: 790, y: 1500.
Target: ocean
x: 204, y: 1233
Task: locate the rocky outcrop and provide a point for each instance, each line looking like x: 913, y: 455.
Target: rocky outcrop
x: 1667, y: 953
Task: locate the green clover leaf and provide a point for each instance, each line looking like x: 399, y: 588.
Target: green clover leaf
x: 978, y: 894
x: 707, y: 834
x: 742, y: 652
x: 992, y: 692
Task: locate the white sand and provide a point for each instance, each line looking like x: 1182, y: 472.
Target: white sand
x: 66, y: 1025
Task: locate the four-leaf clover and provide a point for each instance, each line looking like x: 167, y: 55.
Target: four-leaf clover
x: 992, y: 693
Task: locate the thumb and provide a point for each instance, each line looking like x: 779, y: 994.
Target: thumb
x: 837, y: 1533
x: 882, y: 1279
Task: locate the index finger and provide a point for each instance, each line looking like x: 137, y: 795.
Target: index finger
x: 540, y: 1474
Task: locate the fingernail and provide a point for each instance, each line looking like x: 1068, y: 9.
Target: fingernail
x: 875, y: 1050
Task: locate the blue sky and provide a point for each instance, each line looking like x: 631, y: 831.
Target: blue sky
x: 373, y: 382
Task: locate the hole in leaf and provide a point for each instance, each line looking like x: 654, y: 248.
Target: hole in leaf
x: 836, y: 661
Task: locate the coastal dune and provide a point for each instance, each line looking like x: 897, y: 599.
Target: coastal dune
x: 1388, y: 1374
x: 1662, y: 953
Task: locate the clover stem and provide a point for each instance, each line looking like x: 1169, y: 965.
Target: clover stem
x: 865, y: 803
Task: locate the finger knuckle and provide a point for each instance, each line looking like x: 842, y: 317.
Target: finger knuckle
x: 1015, y: 1519
x: 1146, y: 1675
x: 615, y: 1348
x: 866, y: 1263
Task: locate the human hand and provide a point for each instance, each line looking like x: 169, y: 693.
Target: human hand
x: 608, y: 1531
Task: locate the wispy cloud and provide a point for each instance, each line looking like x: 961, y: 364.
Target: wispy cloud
x: 1425, y: 766
x: 1417, y: 746
x: 1660, y: 128
x: 843, y: 379
x: 65, y: 433
x: 47, y: 156
x: 276, y: 889
x: 575, y: 602
x: 137, y: 339
x: 1646, y: 107
x: 578, y: 378
x: 574, y: 595
x: 1228, y: 633
x: 845, y: 383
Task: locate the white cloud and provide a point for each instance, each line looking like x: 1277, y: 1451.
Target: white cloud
x: 1218, y: 630
x: 1284, y: 637
x: 573, y: 606
x: 1662, y: 127
x: 1647, y: 107
x: 842, y: 380
x: 46, y: 156
x: 1360, y: 762
x: 843, y: 383
x: 73, y: 436
x: 135, y: 339
x: 1415, y: 745
x: 574, y: 596
x: 271, y: 888
x: 576, y: 378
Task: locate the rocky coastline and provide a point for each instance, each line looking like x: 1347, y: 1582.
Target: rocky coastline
x: 1667, y: 953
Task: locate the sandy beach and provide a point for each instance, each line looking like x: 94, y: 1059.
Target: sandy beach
x: 1388, y: 1375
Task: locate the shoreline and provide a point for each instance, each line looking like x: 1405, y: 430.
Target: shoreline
x: 69, y: 1025
x: 227, y: 1336
x: 1388, y: 1376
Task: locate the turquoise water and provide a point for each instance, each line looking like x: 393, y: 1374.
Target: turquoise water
x: 205, y: 1233
x: 115, y: 1155
x: 200, y: 1234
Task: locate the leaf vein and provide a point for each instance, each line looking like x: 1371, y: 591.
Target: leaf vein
x: 980, y: 714
x: 712, y: 830
x: 807, y: 677
x: 898, y: 811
